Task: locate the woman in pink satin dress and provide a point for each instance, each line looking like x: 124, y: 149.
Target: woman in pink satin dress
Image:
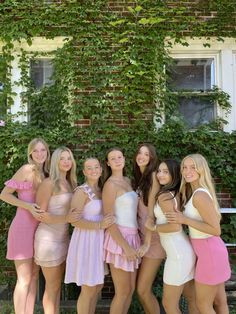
x: 52, y: 237
x: 20, y: 241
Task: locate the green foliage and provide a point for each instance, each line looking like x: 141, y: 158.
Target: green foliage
x: 110, y: 72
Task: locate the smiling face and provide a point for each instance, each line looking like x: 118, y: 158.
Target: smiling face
x: 189, y: 171
x: 116, y: 160
x: 163, y: 174
x: 39, y: 153
x: 143, y: 157
x: 92, y: 169
x: 65, y: 162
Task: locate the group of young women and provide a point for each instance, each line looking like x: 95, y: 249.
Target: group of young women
x: 143, y: 222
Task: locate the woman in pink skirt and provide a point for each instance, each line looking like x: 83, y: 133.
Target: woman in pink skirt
x: 202, y: 216
x: 121, y: 239
x: 145, y: 183
x: 20, y: 242
x: 84, y: 264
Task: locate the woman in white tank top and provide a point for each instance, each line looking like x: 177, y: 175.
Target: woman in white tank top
x: 202, y: 216
x: 180, y: 258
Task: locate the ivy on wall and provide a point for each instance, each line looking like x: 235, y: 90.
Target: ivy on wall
x: 109, y: 72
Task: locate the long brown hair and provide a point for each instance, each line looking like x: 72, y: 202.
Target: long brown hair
x: 143, y: 181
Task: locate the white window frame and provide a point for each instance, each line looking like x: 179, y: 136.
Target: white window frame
x: 224, y: 54
x: 39, y: 44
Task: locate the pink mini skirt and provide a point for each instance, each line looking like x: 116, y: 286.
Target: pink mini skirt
x: 114, y: 254
x: 212, y: 265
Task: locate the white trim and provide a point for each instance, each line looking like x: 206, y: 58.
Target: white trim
x: 225, y: 67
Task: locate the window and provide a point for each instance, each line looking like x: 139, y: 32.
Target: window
x: 191, y: 79
x: 41, y: 71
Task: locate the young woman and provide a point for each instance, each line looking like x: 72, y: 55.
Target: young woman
x: 51, y: 237
x: 180, y: 258
x: 146, y: 185
x: 202, y: 216
x: 85, y: 265
x: 20, y: 241
x: 121, y: 239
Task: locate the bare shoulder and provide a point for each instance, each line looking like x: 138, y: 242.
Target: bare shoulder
x: 23, y: 173
x: 163, y: 197
x: 109, y: 185
x: 47, y: 183
x: 79, y: 193
x: 201, y: 197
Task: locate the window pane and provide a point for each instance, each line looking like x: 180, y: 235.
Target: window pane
x: 192, y: 74
x: 40, y: 72
x: 196, y: 110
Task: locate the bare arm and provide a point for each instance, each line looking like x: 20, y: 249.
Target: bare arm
x: 167, y: 205
x: 204, y: 204
x: 25, y: 173
x: 78, y: 202
x: 109, y: 194
x: 151, y: 202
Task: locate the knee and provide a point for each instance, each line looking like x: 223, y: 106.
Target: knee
x: 220, y: 300
x: 125, y: 292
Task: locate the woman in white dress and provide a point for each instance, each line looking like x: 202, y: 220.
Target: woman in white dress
x: 180, y: 258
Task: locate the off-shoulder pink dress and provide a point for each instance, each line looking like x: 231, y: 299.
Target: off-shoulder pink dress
x: 20, y: 242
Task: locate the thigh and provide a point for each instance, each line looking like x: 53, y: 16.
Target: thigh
x: 147, y: 272
x: 24, y: 268
x: 172, y: 293
x: 122, y: 280
x: 53, y: 275
x: 205, y: 293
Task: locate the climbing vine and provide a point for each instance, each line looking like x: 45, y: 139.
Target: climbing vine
x: 109, y: 73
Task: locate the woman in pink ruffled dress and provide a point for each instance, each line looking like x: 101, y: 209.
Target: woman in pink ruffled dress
x: 122, y: 240
x: 20, y: 241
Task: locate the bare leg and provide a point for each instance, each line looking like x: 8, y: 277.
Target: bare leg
x: 51, y: 296
x: 124, y: 287
x: 171, y: 297
x: 87, y: 299
x: 220, y: 302
x: 24, y: 269
x: 146, y: 276
x: 205, y: 295
x: 32, y: 289
x: 190, y: 296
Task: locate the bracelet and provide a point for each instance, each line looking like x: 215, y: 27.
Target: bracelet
x: 155, y: 229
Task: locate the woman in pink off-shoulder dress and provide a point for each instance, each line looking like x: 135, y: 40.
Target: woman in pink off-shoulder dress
x: 20, y: 241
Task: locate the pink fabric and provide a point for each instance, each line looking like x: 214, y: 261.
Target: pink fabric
x: 84, y: 264
x: 212, y: 266
x: 20, y: 240
x: 114, y: 254
x: 52, y: 240
x: 155, y: 251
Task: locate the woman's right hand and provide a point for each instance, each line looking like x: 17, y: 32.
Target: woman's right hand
x: 34, y: 209
x: 107, y: 221
x: 131, y: 253
x: 74, y: 215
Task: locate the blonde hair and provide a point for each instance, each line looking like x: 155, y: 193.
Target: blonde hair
x: 205, y: 180
x: 55, y: 172
x: 46, y: 165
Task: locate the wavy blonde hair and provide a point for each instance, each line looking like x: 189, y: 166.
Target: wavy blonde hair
x: 46, y: 165
x: 55, y: 172
x: 205, y: 180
